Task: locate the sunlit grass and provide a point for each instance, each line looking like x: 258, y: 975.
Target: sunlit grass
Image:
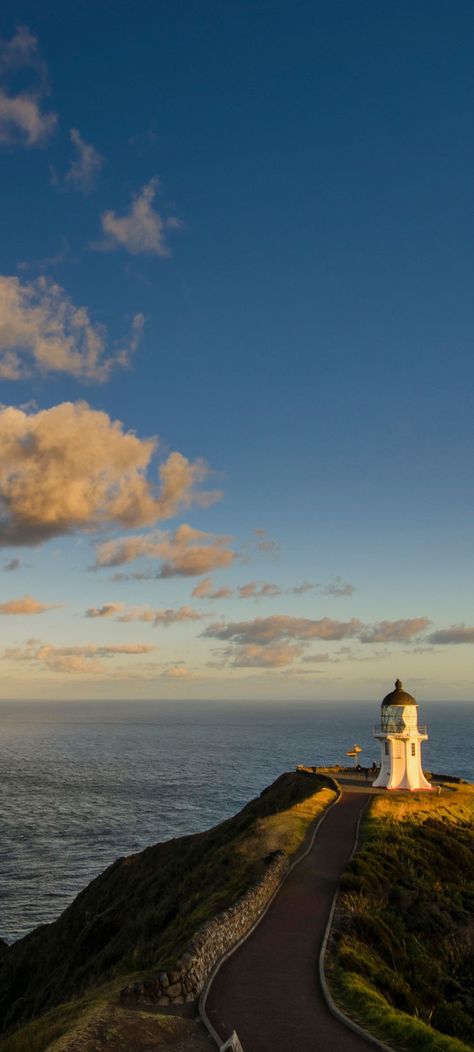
x: 400, y: 960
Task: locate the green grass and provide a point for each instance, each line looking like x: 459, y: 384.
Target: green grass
x: 138, y: 916
x: 400, y: 959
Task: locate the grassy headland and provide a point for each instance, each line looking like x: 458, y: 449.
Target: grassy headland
x: 401, y: 957
x: 139, y: 914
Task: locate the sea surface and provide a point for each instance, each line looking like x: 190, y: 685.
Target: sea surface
x: 84, y: 783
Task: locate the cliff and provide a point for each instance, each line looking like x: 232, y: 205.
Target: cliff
x: 138, y: 917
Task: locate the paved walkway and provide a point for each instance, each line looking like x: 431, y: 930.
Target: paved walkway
x: 268, y: 991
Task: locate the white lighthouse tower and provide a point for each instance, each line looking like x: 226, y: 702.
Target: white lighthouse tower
x: 400, y: 740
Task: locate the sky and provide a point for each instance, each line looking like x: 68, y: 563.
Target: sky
x: 236, y: 369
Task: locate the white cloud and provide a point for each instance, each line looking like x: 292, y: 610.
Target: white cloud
x: 142, y: 229
x: 22, y: 120
x: 41, y: 330
x: 85, y: 168
x: 72, y: 468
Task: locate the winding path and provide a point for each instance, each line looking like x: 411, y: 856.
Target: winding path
x: 268, y: 990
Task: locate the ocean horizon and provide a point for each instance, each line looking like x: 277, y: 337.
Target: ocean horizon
x: 87, y: 782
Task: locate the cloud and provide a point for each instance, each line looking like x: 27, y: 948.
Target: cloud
x: 338, y: 588
x: 142, y: 229
x: 205, y: 590
x: 251, y: 655
x: 300, y: 589
x: 251, y: 590
x: 267, y: 630
x: 246, y: 637
x: 72, y: 468
x: 265, y: 544
x: 11, y: 565
x: 22, y: 120
x: 394, y: 631
x: 26, y: 605
x: 186, y: 552
x: 41, y: 330
x: 20, y: 52
x: 454, y: 634
x: 74, y: 659
x: 85, y: 168
x: 318, y: 659
x: 256, y: 590
x: 107, y: 610
x: 163, y: 618
x: 177, y: 672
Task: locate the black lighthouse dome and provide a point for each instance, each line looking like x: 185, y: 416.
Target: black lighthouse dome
x: 399, y: 696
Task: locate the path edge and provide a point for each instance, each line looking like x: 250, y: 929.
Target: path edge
x: 330, y: 1003
x: 225, y: 956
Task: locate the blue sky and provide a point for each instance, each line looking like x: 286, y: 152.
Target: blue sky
x: 266, y: 212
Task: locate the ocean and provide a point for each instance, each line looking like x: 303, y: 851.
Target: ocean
x: 84, y: 783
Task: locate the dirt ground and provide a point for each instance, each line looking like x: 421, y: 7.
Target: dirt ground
x: 117, y: 1029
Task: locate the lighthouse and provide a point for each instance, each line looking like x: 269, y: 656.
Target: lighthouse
x: 400, y: 740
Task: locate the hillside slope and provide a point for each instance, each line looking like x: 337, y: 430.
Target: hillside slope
x: 140, y: 913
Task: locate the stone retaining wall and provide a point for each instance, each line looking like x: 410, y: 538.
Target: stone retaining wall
x: 209, y: 944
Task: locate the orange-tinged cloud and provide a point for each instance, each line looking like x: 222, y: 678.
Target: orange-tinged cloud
x: 142, y: 229
x: 25, y: 605
x: 205, y: 590
x: 401, y: 631
x: 22, y: 121
x: 258, y: 590
x: 106, y: 610
x: 177, y: 672
x: 186, y: 552
x: 42, y: 330
x: 266, y: 630
x: 455, y: 634
x: 251, y: 640
x: 75, y: 659
x: 72, y: 468
x: 251, y: 655
x: 163, y: 618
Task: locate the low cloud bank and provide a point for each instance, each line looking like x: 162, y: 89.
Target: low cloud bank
x: 75, y: 659
x: 277, y: 641
x: 454, y: 634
